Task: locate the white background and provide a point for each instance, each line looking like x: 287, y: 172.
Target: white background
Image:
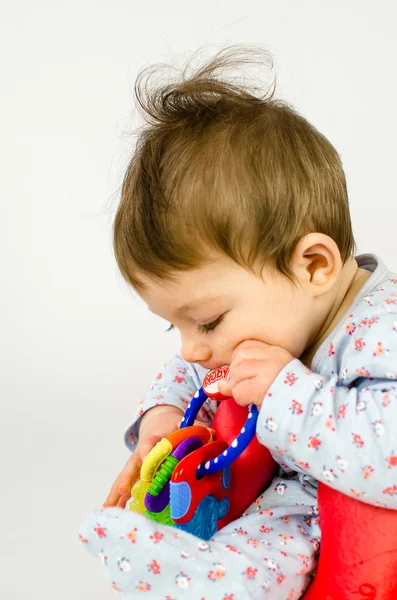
x: 78, y: 350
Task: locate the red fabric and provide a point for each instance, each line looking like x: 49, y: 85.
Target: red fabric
x: 358, y: 553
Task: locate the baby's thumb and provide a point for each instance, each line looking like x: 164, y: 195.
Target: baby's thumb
x: 147, y: 444
x: 225, y: 389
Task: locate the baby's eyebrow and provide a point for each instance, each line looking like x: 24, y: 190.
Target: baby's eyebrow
x: 191, y: 305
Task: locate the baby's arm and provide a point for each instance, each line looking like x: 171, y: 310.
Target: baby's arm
x: 341, y: 429
x: 158, y: 415
x: 174, y: 385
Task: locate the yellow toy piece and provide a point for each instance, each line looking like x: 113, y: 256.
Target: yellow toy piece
x: 154, y: 459
x: 138, y: 493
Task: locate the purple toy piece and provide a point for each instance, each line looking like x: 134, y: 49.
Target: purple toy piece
x: 158, y: 503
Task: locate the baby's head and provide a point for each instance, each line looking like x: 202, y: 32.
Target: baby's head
x: 237, y: 198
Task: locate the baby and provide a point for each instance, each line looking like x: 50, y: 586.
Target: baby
x: 234, y: 225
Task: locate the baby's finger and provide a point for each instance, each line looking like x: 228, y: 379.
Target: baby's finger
x: 123, y: 482
x: 123, y: 500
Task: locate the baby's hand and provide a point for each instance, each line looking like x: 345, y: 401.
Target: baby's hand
x: 253, y: 368
x: 157, y: 423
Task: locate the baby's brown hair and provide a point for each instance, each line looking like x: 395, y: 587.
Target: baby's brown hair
x: 219, y: 169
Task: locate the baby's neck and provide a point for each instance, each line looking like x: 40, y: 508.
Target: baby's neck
x: 352, y: 280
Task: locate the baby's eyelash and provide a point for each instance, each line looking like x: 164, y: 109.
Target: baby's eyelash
x: 202, y: 328
x: 210, y: 326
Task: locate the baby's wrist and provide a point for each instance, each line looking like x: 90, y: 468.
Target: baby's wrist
x: 154, y: 412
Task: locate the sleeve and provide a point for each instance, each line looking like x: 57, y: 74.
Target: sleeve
x: 175, y: 384
x: 341, y: 429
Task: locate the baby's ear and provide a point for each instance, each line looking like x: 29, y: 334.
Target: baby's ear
x: 317, y: 261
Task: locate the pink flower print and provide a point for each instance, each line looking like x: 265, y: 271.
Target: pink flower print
x: 362, y: 323
x: 285, y: 539
x: 385, y: 400
x: 159, y: 376
x: 372, y: 321
x: 342, y: 411
x: 291, y: 595
x: 115, y: 587
x: 314, y: 442
x: 131, y: 535
x: 82, y: 539
x: 251, y: 572
x: 350, y: 328
x: 331, y: 350
x: 392, y: 460
x: 329, y: 423
x: 315, y: 544
x: 363, y: 372
x: 390, y: 301
x: 367, y: 471
x: 100, y: 531
x: 393, y: 280
x: 342, y: 463
x: 265, y: 529
x: 357, y: 440
x: 380, y: 350
x: 240, y: 531
x: 391, y: 490
x: 305, y: 561
x: 143, y: 586
x: 267, y: 511
x: 304, y: 465
x: 103, y: 558
x: 378, y: 428
x: 286, y: 519
x: 181, y: 370
x: 283, y: 553
x: 253, y: 542
x: 179, y: 379
x: 359, y: 344
x: 154, y: 567
x: 280, y: 578
x: 296, y: 407
x: 217, y: 573
x: 290, y: 378
x: 140, y: 412
x: 233, y: 549
x: 156, y: 537
x: 356, y: 494
x: 292, y: 438
x: 228, y: 597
